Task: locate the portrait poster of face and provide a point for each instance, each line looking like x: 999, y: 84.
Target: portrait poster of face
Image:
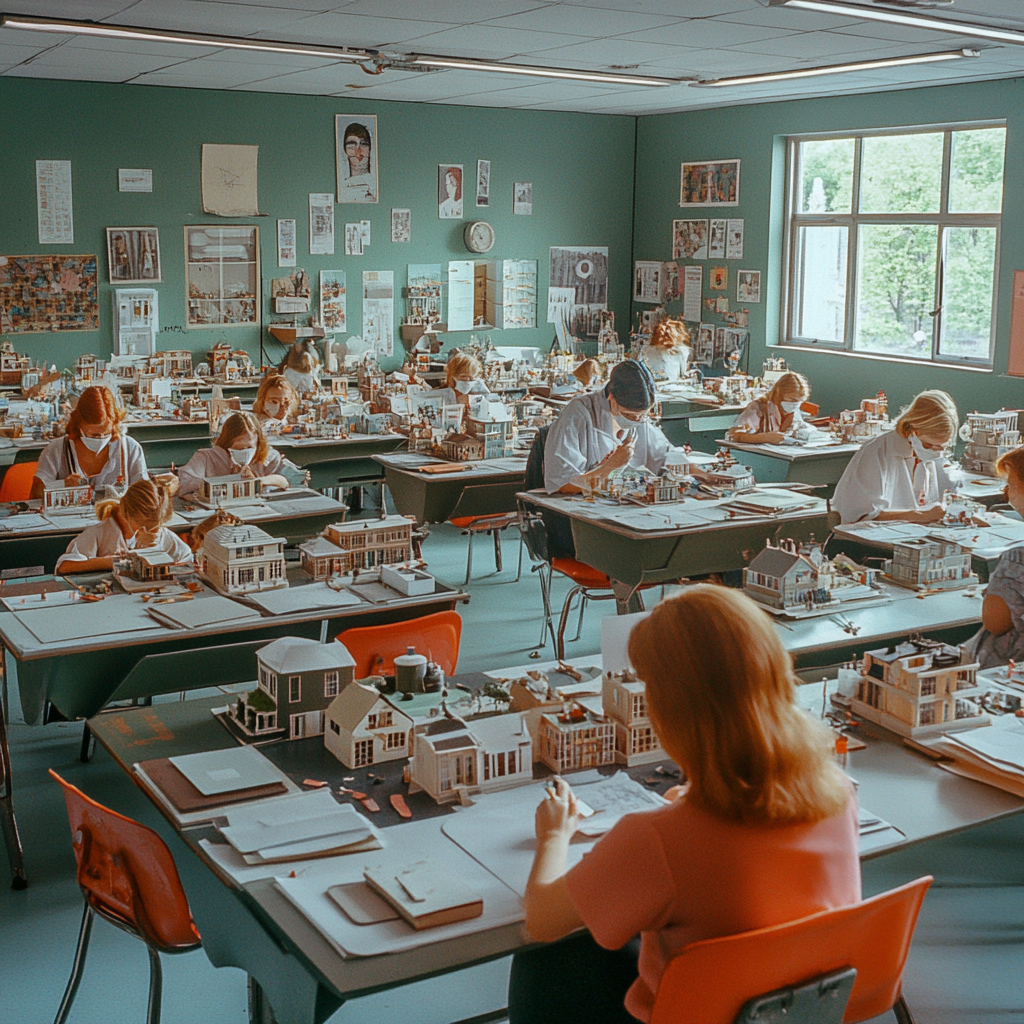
x: 748, y: 285
x: 449, y: 191
x: 483, y: 183
x: 401, y: 225
x: 356, y: 145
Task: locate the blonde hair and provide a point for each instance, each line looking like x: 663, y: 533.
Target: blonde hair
x: 146, y: 503
x: 670, y: 334
x: 932, y: 413
x: 721, y: 699
x: 460, y: 363
x: 275, y: 382
x: 239, y: 423
x: 790, y: 383
x: 589, y: 370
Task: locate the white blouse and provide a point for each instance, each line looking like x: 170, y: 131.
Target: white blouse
x: 886, y: 475
x: 58, y: 460
x: 668, y: 363
x: 105, y: 540
x: 217, y: 461
x: 584, y: 435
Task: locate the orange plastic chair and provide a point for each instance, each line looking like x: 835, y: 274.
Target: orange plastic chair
x: 493, y: 526
x: 17, y: 482
x: 127, y: 875
x: 712, y: 981
x: 375, y: 648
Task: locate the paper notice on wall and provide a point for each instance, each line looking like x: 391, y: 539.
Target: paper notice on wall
x: 321, y: 223
x: 379, y: 310
x: 560, y: 303
x: 693, y: 280
x: 229, y: 180
x: 134, y: 179
x: 286, y: 254
x: 54, y: 211
x: 734, y: 240
x: 332, y: 300
x: 460, y: 295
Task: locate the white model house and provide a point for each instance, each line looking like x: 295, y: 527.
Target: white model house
x: 919, y: 687
x: 452, y: 756
x: 575, y: 737
x: 992, y: 436
x: 932, y: 562
x: 149, y: 565
x: 364, y: 727
x: 624, y: 698
x: 363, y: 544
x: 58, y: 498
x: 239, y: 558
x: 224, y: 491
x: 870, y: 420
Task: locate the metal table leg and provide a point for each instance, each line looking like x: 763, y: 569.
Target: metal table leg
x: 19, y: 880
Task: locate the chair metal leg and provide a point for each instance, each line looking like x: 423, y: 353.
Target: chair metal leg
x: 519, y: 567
x: 88, y: 744
x: 77, y: 967
x: 544, y: 576
x: 156, y: 986
x: 19, y: 880
x: 584, y: 600
x: 902, y: 1012
x: 469, y: 558
x: 566, y: 608
x: 497, y: 550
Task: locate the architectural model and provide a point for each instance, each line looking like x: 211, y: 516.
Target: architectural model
x: 364, y: 727
x: 297, y: 680
x: 364, y: 544
x: 58, y: 498
x: 919, y: 687
x: 463, y: 448
x: 870, y: 420
x: 224, y: 491
x: 930, y: 563
x: 988, y: 436
x: 147, y: 565
x: 242, y: 558
x: 12, y: 364
x: 724, y: 475
x: 575, y: 737
x: 624, y: 699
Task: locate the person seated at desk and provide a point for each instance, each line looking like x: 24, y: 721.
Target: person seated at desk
x: 768, y: 420
x: 668, y: 351
x: 135, y: 522
x: 903, y: 473
x: 603, y: 431
x: 95, y: 448
x: 276, y: 402
x: 301, y: 366
x: 763, y: 832
x: 240, y: 448
x: 462, y: 375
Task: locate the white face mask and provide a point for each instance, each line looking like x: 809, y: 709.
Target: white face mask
x: 242, y: 456
x: 96, y: 444
x: 621, y: 421
x: 464, y: 387
x: 790, y: 407
x: 272, y: 408
x: 924, y: 454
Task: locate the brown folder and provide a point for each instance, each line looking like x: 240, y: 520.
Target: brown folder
x: 186, y: 798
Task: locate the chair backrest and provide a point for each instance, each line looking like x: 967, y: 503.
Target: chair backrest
x: 710, y: 981
x: 535, y: 460
x: 127, y: 873
x: 535, y: 534
x: 17, y: 482
x: 375, y: 647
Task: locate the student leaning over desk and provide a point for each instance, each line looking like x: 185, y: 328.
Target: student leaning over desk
x: 135, y: 521
x: 276, y: 402
x: 764, y: 831
x: 904, y: 473
x: 769, y: 419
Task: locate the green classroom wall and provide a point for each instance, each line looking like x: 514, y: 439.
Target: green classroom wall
x: 755, y: 134
x: 581, y: 167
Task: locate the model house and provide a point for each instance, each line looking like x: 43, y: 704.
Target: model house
x: 239, y: 559
x: 12, y: 365
x: 364, y: 544
x: 575, y: 737
x: 869, y: 421
x: 364, y: 727
x: 919, y: 687
x: 624, y: 699
x: 932, y: 562
x: 494, y: 425
x: 992, y: 436
x: 224, y: 491
x: 724, y: 475
x: 463, y: 447
x: 297, y: 679
x: 148, y: 565
x: 58, y: 498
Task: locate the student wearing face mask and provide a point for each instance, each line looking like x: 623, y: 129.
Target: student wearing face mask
x: 94, y: 449
x: 769, y: 420
x: 240, y: 448
x: 462, y: 378
x: 903, y: 474
x: 276, y: 402
x: 135, y: 521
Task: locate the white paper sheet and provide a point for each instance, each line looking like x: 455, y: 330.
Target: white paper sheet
x: 693, y: 277
x: 210, y: 610
x: 231, y: 770
x: 88, y: 619
x: 25, y: 522
x: 379, y: 310
x: 54, y: 207
x: 229, y: 180
x: 287, y: 250
x: 134, y: 179
x: 313, y: 597
x: 321, y: 224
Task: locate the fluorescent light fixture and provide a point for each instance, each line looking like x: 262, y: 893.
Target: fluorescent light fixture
x: 104, y: 31
x: 839, y: 69
x: 529, y: 70
x: 921, y: 21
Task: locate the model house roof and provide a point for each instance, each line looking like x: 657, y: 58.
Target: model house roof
x: 242, y: 535
x: 387, y: 523
x: 355, y: 702
x: 499, y: 732
x: 774, y: 562
x: 299, y: 654
x: 153, y: 556
x: 319, y: 547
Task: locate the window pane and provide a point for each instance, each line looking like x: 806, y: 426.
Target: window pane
x: 820, y: 292
x: 901, y: 173
x: 826, y: 176
x: 896, y: 289
x: 976, y: 171
x: 969, y: 261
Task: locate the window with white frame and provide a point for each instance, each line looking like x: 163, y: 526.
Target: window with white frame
x: 893, y: 241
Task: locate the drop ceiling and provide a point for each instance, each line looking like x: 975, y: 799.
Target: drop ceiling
x: 665, y: 38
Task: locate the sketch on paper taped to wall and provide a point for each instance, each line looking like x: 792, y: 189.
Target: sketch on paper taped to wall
x: 229, y: 180
x: 584, y: 269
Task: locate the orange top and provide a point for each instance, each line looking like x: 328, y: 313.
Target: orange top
x: 678, y: 875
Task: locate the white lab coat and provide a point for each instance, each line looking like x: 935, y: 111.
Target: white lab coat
x: 125, y: 458
x: 302, y: 382
x: 105, y: 540
x: 584, y: 434
x: 216, y: 461
x: 668, y: 363
x: 885, y: 475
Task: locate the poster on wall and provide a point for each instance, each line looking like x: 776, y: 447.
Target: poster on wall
x: 748, y: 285
x: 647, y: 283
x: 48, y: 293
x: 689, y: 239
x: 449, y: 191
x: 693, y: 283
x: 354, y: 239
x: 54, y: 209
x: 222, y: 275
x: 133, y: 255
x: 522, y: 198
x: 718, y: 279
x: 379, y: 311
x: 710, y: 184
x: 716, y: 240
x: 332, y: 300
x: 734, y: 240
x: 355, y: 140
x: 483, y: 182
x: 401, y: 225
x: 460, y: 295
x: 286, y: 247
x: 584, y: 269
x: 134, y: 179
x: 229, y: 180
x: 321, y: 224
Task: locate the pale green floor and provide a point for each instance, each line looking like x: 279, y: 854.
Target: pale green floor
x: 965, y: 965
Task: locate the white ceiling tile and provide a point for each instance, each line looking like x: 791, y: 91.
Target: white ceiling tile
x: 589, y: 21
x: 429, y: 87
x: 340, y: 29
x: 10, y: 54
x: 717, y: 63
x: 97, y: 74
x: 177, y: 50
x: 194, y: 81
x: 212, y: 16
x: 674, y: 8
x: 811, y: 45
x: 124, y: 65
x: 903, y: 34
x: 274, y: 61
x: 313, y: 6
x: 709, y: 33
x: 458, y: 12
x: 789, y: 18
x: 36, y: 40
x: 80, y: 10
x: 486, y: 38
x: 606, y: 53
x: 225, y: 73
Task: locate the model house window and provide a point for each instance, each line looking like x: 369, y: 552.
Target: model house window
x: 335, y: 728
x: 394, y: 740
x: 893, y: 242
x: 363, y: 753
x: 294, y: 689
x: 330, y: 684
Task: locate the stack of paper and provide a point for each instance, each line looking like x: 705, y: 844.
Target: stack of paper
x: 874, y: 833
x: 993, y: 754
x: 426, y: 895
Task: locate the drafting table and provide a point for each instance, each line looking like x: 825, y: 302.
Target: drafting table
x: 485, y: 487
x: 775, y: 463
x: 708, y: 542
x: 695, y: 419
x: 255, y: 928
x: 345, y: 462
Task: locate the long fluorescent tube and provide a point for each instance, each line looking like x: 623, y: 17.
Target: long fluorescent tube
x: 542, y: 72
x: 92, y: 28
x: 837, y: 69
x: 922, y: 21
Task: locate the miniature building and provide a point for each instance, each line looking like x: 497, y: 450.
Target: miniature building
x: 725, y: 474
x: 373, y: 423
x: 297, y: 679
x: 450, y: 755
x: 930, y: 562
x: 148, y: 565
x: 218, y: 358
x: 85, y: 367
x: 575, y: 738
x: 624, y: 699
x: 495, y: 427
x: 57, y: 497
x: 223, y: 491
x: 870, y: 420
x: 172, y: 363
x: 992, y: 436
x: 12, y: 365
x: 240, y: 558
x: 919, y: 687
x: 364, y: 544
x: 463, y: 448
x: 364, y: 727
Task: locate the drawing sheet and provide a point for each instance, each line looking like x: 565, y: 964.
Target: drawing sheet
x: 693, y: 277
x: 213, y: 772
x: 229, y: 180
x: 302, y: 599
x: 321, y: 224
x: 88, y: 619
x: 379, y: 310
x: 211, y: 610
x: 54, y: 210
